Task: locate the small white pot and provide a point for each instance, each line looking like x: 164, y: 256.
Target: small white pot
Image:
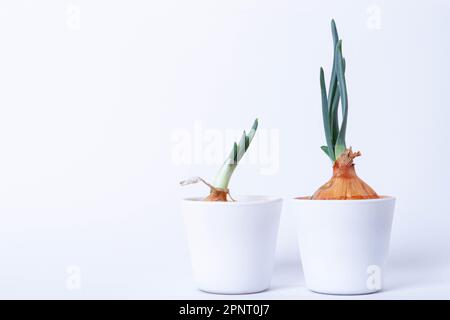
x: 232, y: 244
x: 344, y: 243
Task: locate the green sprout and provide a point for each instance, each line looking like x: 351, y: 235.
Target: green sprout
x: 226, y: 171
x: 334, y: 134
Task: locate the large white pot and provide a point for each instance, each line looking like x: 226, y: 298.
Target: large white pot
x: 232, y: 244
x: 344, y: 243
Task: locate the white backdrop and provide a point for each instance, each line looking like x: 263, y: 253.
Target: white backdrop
x: 96, y: 95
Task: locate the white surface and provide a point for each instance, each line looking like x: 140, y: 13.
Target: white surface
x: 343, y: 244
x: 232, y: 244
x: 91, y: 107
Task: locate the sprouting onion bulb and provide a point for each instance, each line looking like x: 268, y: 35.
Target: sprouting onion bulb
x: 220, y: 184
x: 344, y: 184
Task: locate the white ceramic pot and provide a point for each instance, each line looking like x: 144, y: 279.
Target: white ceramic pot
x: 232, y: 244
x: 344, y: 243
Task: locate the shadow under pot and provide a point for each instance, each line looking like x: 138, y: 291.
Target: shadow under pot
x: 344, y: 243
x: 232, y: 244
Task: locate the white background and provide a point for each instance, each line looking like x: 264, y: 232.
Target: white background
x: 93, y: 92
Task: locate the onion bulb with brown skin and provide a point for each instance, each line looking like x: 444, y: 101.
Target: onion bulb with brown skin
x: 344, y: 184
x: 219, y: 188
x: 217, y: 195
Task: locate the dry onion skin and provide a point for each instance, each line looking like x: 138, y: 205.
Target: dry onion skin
x: 219, y: 188
x: 344, y: 184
